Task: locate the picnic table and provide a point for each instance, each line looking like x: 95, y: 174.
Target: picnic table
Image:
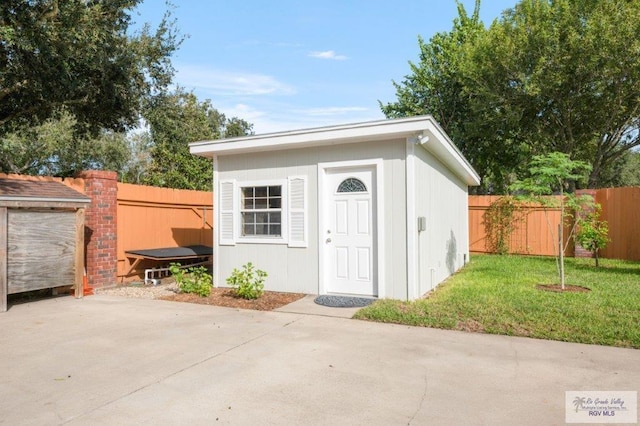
x: 168, y: 254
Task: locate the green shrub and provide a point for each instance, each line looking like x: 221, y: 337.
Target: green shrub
x: 500, y: 221
x: 593, y: 232
x: 194, y: 279
x: 249, y: 282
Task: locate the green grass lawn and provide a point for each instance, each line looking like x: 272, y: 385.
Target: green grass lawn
x: 498, y: 295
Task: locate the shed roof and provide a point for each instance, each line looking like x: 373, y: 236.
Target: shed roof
x: 28, y: 193
x: 425, y: 129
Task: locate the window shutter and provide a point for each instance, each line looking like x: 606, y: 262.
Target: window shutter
x: 227, y: 204
x: 297, y: 211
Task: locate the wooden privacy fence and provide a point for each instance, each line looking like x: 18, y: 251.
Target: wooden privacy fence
x: 532, y: 233
x: 620, y: 208
x: 150, y: 217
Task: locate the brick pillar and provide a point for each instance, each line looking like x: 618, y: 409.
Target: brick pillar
x: 579, y: 250
x: 100, y: 227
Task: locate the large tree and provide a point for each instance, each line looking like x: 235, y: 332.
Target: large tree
x: 548, y: 75
x: 174, y: 120
x: 78, y: 54
x: 565, y: 76
x: 435, y: 85
x: 55, y: 147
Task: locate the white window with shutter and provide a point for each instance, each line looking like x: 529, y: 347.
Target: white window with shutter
x: 297, y: 211
x: 264, y: 212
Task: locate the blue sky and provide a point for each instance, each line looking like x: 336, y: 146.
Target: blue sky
x: 294, y: 64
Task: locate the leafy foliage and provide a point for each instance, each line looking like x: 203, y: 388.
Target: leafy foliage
x: 437, y: 86
x: 73, y: 80
x: 592, y: 232
x: 54, y: 147
x: 532, y: 83
x: 194, y: 279
x: 542, y: 63
x: 500, y: 221
x: 78, y: 54
x: 248, y: 282
x: 175, y: 120
x: 551, y: 173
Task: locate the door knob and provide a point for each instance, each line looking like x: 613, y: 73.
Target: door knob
x: 328, y: 240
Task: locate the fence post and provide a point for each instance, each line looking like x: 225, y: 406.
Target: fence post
x: 100, y: 227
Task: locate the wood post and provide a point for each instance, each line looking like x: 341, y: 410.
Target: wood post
x: 79, y: 276
x: 3, y: 259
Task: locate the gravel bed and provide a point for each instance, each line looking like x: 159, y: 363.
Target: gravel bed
x: 142, y: 291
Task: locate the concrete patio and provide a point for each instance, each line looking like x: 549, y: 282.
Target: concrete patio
x: 112, y: 360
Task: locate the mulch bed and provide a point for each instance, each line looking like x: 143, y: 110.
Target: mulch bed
x: 269, y: 301
x: 557, y: 288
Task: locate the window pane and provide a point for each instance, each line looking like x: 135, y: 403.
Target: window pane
x: 276, y: 217
x: 274, y: 230
x: 248, y: 218
x: 261, y: 203
x: 248, y: 230
x: 262, y: 229
x: 275, y: 203
x: 262, y: 217
x: 247, y: 198
x: 275, y: 191
x: 261, y: 191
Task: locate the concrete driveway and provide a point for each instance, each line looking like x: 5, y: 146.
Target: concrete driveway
x: 111, y: 360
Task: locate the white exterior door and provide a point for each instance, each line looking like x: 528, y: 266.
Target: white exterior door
x: 349, y: 231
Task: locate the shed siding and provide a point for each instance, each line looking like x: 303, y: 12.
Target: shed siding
x: 41, y: 247
x: 441, y: 197
x: 295, y: 269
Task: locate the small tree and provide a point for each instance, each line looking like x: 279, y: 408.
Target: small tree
x: 553, y: 174
x: 592, y: 232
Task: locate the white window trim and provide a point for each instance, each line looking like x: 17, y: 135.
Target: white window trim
x: 283, y: 239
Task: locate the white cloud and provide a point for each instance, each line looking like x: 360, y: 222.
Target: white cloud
x: 227, y: 83
x: 269, y: 117
x: 328, y: 54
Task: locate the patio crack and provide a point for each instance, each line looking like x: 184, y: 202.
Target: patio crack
x: 424, y: 398
x: 195, y: 364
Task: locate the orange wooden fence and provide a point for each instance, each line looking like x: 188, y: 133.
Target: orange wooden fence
x: 532, y: 233
x: 620, y: 208
x: 150, y: 217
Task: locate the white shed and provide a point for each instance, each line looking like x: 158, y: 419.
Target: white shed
x: 374, y: 209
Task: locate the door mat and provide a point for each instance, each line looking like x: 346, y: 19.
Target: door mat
x: 343, y: 301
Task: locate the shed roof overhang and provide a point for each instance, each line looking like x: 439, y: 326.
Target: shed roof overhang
x: 19, y: 193
x: 424, y: 129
